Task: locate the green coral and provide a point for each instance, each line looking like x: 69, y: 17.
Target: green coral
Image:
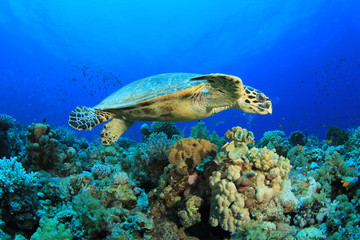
x: 191, y: 215
x: 93, y: 215
x: 217, y: 140
x: 169, y: 128
x: 345, y: 216
x: 51, y: 229
x: 199, y: 131
x: 271, y: 139
x: 258, y: 230
x: 337, y: 135
x: 333, y: 170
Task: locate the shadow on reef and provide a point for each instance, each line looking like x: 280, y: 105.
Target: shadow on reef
x: 56, y: 186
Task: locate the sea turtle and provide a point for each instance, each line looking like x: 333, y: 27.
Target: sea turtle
x: 174, y: 97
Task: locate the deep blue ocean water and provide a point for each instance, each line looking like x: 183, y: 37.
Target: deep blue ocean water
x: 304, y: 55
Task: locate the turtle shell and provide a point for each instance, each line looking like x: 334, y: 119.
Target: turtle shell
x: 147, y: 88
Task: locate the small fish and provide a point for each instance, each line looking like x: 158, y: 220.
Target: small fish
x: 346, y: 183
x: 351, y: 168
x: 304, y: 184
x: 329, y: 142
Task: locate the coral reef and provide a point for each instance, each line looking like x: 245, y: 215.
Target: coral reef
x: 337, y: 136
x: 248, y: 184
x: 56, y: 186
x: 199, y: 131
x: 6, y: 122
x: 45, y: 151
x: 169, y: 128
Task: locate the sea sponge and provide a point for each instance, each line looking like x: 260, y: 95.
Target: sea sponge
x: 187, y: 153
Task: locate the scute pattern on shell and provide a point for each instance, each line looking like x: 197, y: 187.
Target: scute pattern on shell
x: 147, y: 88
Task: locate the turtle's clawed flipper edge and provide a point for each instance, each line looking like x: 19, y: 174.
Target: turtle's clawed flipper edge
x: 226, y: 89
x: 83, y: 118
x: 113, y: 130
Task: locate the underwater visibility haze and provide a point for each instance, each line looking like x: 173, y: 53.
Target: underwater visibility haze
x: 291, y: 174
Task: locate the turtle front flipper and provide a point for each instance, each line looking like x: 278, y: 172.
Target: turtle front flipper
x: 113, y: 130
x: 83, y: 118
x: 225, y: 89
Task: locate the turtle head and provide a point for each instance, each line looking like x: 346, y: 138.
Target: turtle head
x: 254, y: 101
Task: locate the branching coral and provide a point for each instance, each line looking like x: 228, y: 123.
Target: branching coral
x: 271, y: 138
x: 13, y: 176
x: 100, y: 171
x: 157, y: 146
x: 18, y: 194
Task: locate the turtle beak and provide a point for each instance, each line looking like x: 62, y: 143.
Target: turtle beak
x: 266, y: 107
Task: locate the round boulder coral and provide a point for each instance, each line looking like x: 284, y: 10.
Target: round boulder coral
x: 187, y: 153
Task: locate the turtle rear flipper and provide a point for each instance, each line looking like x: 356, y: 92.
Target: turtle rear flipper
x: 83, y: 118
x: 225, y: 89
x: 113, y: 130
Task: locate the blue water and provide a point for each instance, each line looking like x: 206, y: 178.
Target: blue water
x: 304, y: 55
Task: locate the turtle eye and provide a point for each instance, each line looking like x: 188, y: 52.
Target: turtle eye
x: 260, y: 97
x: 267, y: 105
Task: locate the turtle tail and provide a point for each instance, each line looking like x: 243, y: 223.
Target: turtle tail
x: 83, y: 118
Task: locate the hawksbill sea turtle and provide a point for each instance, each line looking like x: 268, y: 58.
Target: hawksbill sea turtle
x: 174, y: 97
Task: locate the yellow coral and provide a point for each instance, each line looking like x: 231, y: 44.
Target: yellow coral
x: 241, y: 135
x: 187, y: 153
x: 240, y: 138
